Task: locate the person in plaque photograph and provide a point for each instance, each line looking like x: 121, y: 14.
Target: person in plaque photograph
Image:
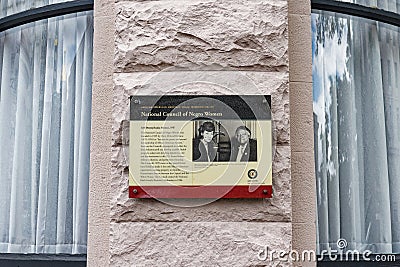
x: 204, y: 148
x: 243, y: 148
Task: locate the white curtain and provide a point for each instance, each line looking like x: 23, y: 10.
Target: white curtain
x: 45, y: 107
x: 357, y: 131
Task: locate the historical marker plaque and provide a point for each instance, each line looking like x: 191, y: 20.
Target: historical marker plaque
x: 200, y: 147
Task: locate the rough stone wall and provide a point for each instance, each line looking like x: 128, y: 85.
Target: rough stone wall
x: 302, y: 132
x: 238, y: 34
x: 231, y: 42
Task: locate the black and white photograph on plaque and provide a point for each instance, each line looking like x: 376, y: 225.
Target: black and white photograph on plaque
x: 224, y: 141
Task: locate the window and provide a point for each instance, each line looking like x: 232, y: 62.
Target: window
x: 356, y: 97
x: 45, y: 110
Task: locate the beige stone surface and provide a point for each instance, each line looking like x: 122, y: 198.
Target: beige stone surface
x: 300, y: 7
x: 197, y: 243
x: 306, y: 239
x: 103, y: 50
x: 301, y: 117
x: 300, y: 59
x: 240, y: 34
x: 98, y: 253
x: 104, y: 8
x: 304, y: 187
x: 302, y: 134
x: 101, y: 118
x: 99, y: 210
x: 99, y: 188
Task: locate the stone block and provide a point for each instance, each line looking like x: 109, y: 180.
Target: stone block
x: 197, y: 244
x: 245, y: 35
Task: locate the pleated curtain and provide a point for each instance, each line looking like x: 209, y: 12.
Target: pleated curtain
x: 45, y: 109
x: 356, y: 76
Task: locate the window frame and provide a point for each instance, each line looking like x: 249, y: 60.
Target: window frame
x: 44, y: 12
x: 356, y: 10
x: 42, y: 260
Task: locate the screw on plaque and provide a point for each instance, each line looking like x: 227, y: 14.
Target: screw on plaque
x: 265, y: 192
x: 135, y: 191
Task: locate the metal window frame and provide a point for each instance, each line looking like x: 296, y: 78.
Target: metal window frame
x: 44, y: 12
x: 357, y: 10
x: 42, y: 260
